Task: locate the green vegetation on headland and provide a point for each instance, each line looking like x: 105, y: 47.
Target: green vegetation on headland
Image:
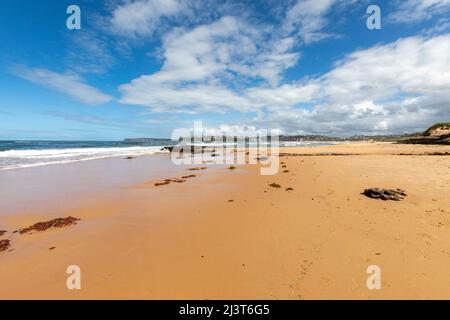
x: 436, y: 134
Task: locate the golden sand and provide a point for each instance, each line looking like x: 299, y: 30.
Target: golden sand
x: 226, y: 234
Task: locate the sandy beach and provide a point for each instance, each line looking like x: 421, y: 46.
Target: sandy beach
x: 226, y: 234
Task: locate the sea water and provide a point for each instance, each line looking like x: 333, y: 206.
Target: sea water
x: 21, y: 154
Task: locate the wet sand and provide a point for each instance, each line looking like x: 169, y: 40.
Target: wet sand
x: 190, y: 241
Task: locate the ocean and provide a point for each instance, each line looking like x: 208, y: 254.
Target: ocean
x: 21, y: 154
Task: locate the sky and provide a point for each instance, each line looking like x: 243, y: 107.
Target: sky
x: 144, y: 68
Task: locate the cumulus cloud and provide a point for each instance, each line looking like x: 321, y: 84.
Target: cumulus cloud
x: 204, y: 68
x: 232, y: 65
x: 68, y: 84
x: 382, y: 89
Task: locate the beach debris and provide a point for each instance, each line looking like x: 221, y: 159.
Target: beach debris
x: 4, y: 244
x: 385, y: 194
x: 197, y: 168
x: 129, y: 158
x: 2, y: 232
x: 274, y: 185
x: 55, y: 223
x: 231, y: 168
x: 52, y: 248
x: 176, y: 180
x: 230, y: 200
x: 285, y: 171
x: 289, y: 189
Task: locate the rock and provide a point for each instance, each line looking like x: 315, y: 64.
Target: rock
x: 158, y: 184
x: 4, y: 244
x: 189, y: 176
x: 289, y: 189
x: 129, y: 158
x: 274, y: 185
x: 168, y: 148
x: 55, y: 223
x: 385, y: 194
x: 232, y: 168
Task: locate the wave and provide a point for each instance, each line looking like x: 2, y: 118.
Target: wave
x: 13, y: 159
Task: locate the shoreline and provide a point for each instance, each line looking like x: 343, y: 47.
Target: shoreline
x: 189, y: 241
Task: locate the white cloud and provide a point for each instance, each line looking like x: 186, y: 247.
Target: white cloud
x: 143, y: 17
x: 410, y: 11
x: 386, y: 88
x: 89, y: 52
x: 307, y: 18
x: 233, y: 64
x: 204, y: 68
x: 68, y: 84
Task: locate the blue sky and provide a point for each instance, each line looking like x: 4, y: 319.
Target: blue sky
x: 147, y: 67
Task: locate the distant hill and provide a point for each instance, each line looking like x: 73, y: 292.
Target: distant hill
x: 385, y: 138
x: 145, y: 140
x: 436, y: 134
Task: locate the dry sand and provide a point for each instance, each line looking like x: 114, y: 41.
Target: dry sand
x: 188, y: 241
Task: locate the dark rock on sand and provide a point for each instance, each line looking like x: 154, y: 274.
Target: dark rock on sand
x: 55, y: 223
x: 4, y: 244
x: 385, y: 194
x: 189, y: 176
x: 197, y: 168
x: 274, y: 185
x: 129, y: 158
x: 289, y: 189
x: 163, y: 183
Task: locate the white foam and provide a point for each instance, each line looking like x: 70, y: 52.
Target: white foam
x: 14, y: 159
